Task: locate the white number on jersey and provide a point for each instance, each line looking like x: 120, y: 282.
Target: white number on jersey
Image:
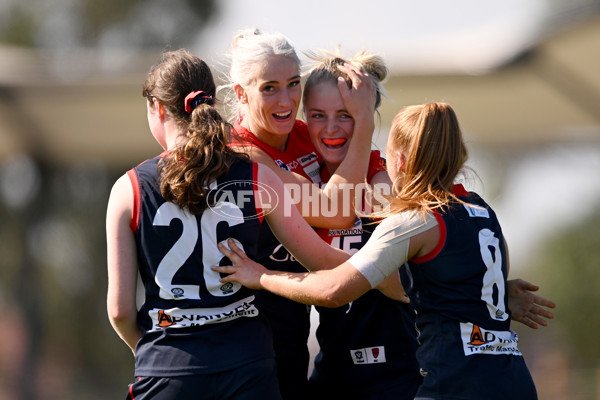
x: 492, y: 257
x: 183, y: 248
x: 350, y: 244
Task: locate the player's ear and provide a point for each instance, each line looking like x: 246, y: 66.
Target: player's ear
x: 240, y: 93
x: 159, y: 109
x: 400, y: 161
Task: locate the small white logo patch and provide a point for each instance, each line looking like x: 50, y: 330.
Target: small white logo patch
x: 368, y: 355
x: 476, y: 211
x: 313, y: 171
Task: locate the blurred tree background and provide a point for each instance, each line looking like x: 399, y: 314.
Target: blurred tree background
x: 576, y: 250
x: 567, y: 268
x: 88, y: 23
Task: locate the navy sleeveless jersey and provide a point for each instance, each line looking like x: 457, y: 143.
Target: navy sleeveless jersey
x: 190, y: 322
x: 290, y: 321
x: 369, y: 345
x: 467, y: 349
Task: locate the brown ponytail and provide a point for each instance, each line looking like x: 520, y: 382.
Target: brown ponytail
x: 203, y: 156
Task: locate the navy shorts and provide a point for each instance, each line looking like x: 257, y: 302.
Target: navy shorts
x: 253, y: 381
x: 292, y: 369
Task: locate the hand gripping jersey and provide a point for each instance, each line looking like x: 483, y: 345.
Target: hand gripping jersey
x: 190, y: 322
x: 467, y: 350
x: 369, y: 345
x: 290, y: 321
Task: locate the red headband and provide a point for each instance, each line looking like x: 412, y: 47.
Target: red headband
x: 193, y: 99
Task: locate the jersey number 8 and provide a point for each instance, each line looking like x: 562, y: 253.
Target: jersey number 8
x: 493, y: 277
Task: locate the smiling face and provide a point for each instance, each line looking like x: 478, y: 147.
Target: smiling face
x: 272, y: 100
x: 329, y: 124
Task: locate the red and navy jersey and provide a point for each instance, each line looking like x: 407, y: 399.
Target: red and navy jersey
x: 376, y: 165
x: 289, y: 320
x: 464, y: 277
x: 368, y: 345
x: 371, y: 339
x: 467, y: 349
x: 191, y: 323
x: 352, y: 239
x: 299, y: 156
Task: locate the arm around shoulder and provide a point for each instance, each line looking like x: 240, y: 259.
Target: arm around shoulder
x: 305, y: 194
x: 327, y: 288
x: 292, y: 230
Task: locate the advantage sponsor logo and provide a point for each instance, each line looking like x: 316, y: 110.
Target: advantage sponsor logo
x: 477, y: 340
x: 180, y: 318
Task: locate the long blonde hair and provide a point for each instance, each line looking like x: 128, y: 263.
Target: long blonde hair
x: 430, y: 138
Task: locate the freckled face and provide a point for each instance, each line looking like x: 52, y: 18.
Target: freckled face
x: 273, y: 98
x: 329, y: 124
